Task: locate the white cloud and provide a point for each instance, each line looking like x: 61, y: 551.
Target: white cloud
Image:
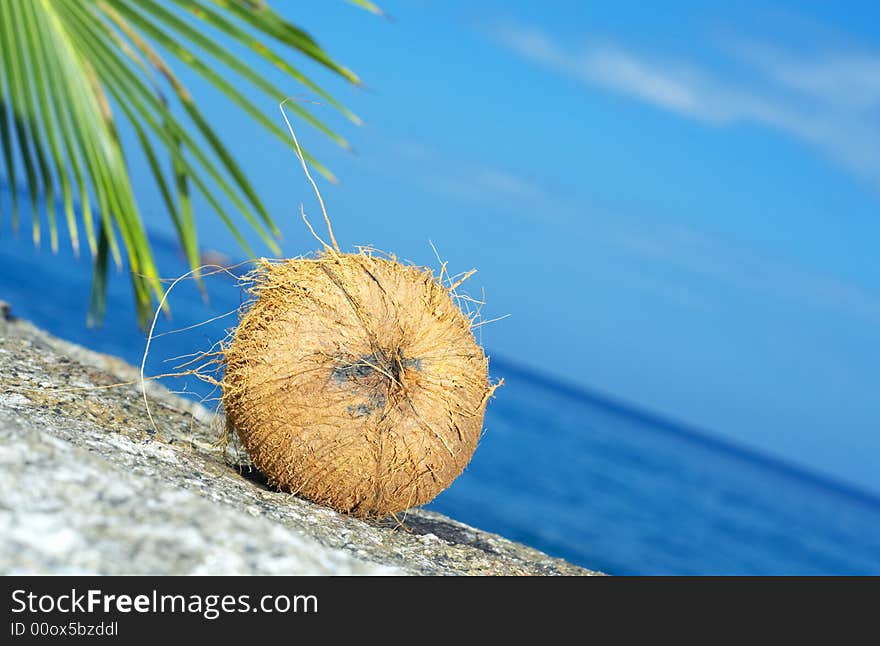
x: 501, y: 182
x: 619, y: 70
x: 734, y: 264
x: 602, y: 64
x: 473, y: 183
x: 846, y: 81
x: 831, y: 101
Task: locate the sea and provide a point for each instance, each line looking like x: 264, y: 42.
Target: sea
x: 595, y: 480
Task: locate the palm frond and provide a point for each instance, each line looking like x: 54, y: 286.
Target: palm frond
x: 72, y: 70
x: 369, y: 6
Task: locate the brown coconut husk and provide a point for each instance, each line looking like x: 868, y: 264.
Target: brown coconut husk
x: 355, y: 381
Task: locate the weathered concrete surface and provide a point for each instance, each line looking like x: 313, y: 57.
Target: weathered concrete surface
x: 87, y: 486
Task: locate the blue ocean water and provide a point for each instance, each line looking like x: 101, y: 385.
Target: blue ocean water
x: 573, y: 473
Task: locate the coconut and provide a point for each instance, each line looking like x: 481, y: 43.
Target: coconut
x: 355, y: 380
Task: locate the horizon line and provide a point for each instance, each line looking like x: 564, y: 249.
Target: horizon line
x: 661, y: 422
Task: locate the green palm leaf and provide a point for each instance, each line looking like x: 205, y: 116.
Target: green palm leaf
x: 70, y: 70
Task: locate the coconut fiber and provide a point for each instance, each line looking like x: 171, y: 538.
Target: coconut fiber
x: 355, y: 381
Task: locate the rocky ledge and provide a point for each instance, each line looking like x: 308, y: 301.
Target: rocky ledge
x: 88, y: 486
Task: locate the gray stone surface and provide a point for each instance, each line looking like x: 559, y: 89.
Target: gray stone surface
x: 88, y: 486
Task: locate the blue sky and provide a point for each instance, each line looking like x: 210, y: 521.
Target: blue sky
x: 677, y: 204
